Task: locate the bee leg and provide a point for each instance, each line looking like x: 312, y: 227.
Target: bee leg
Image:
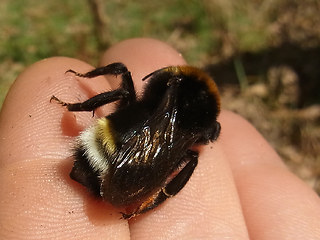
x: 171, y: 189
x: 93, y: 103
x: 127, y: 85
x: 114, y: 69
x: 111, y: 69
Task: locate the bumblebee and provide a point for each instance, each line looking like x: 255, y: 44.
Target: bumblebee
x: 143, y: 153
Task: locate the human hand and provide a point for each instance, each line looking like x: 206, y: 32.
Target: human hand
x: 239, y: 190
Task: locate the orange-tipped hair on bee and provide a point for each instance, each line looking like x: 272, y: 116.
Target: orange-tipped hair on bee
x: 129, y: 157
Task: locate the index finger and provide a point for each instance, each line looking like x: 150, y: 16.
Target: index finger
x: 37, y: 197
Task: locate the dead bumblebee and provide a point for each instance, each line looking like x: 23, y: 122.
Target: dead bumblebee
x: 141, y: 153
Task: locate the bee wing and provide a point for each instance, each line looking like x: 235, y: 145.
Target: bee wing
x: 136, y: 171
x: 146, y: 159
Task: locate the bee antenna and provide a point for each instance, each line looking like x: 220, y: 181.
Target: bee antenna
x: 150, y: 74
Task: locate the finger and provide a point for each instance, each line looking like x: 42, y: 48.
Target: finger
x: 30, y: 123
x: 38, y: 199
x: 208, y: 207
x: 276, y: 204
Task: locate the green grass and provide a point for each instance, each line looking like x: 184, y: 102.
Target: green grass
x: 32, y: 30
x: 203, y: 31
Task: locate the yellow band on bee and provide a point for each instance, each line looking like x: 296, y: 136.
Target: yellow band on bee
x: 105, y: 134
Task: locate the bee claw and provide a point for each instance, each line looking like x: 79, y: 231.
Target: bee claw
x: 71, y: 71
x: 75, y: 73
x: 54, y: 98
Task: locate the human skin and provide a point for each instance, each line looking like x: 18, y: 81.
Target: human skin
x: 239, y: 190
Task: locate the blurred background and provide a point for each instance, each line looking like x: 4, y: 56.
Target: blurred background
x: 264, y: 55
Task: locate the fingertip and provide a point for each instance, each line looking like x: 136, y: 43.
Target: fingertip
x: 34, y: 144
x: 31, y: 124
